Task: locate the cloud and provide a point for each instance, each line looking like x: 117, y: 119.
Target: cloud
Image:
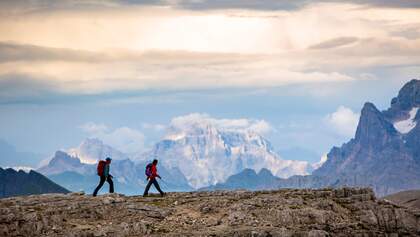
x: 343, y: 121
x: 156, y: 127
x: 11, y: 7
x: 21, y: 88
x: 273, y: 5
x: 411, y: 32
x: 143, y: 48
x: 318, y: 164
x: 27, y: 52
x: 164, y: 70
x: 94, y: 128
x: 125, y: 139
x: 190, y: 122
x: 245, y: 4
x: 333, y: 43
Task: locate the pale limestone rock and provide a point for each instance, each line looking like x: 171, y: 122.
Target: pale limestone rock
x: 326, y: 212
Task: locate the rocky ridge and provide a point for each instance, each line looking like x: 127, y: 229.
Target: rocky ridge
x: 288, y: 212
x: 15, y: 183
x: 382, y: 155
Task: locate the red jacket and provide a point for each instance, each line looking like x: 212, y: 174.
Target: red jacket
x: 154, y: 172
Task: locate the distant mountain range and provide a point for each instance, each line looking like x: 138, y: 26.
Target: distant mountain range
x: 18, y: 183
x: 129, y: 177
x: 208, y: 153
x: 384, y: 155
x: 199, y: 153
x: 10, y: 157
x: 192, y: 155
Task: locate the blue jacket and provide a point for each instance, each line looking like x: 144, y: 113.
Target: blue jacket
x: 106, y: 170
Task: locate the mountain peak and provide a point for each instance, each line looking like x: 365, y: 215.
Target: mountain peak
x: 92, y: 149
x: 373, y: 127
x: 408, y: 96
x: 407, y: 99
x: 16, y: 183
x: 385, y: 151
x: 369, y: 107
x: 63, y: 157
x: 265, y: 173
x: 211, y: 151
x: 61, y: 162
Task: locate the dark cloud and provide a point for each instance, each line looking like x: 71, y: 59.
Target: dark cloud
x: 19, y: 88
x: 386, y: 3
x: 11, y: 52
x: 29, y: 6
x: 411, y: 33
x: 244, y: 4
x: 24, y: 52
x: 26, y: 89
x: 333, y: 43
x: 287, y: 4
x: 12, y: 7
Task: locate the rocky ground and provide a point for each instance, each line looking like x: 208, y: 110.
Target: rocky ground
x: 409, y: 199
x: 326, y: 212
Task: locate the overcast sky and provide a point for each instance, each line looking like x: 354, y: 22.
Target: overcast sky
x: 123, y: 70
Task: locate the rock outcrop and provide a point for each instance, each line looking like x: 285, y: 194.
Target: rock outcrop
x: 324, y: 212
x: 410, y: 198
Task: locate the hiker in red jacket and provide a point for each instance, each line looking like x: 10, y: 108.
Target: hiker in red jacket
x: 103, y: 173
x: 151, y: 173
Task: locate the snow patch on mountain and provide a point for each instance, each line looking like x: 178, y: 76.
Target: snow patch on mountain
x: 405, y: 126
x: 25, y: 169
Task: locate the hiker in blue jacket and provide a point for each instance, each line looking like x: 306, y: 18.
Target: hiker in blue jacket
x: 103, y: 173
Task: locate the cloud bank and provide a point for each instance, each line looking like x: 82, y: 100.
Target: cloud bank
x: 125, y: 139
x: 73, y: 48
x: 190, y: 122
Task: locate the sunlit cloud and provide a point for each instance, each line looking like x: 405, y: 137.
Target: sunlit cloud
x: 100, y: 47
x: 343, y: 121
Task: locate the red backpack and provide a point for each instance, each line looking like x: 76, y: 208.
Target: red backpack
x: 100, y: 168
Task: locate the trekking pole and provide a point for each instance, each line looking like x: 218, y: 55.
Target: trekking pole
x: 164, y: 183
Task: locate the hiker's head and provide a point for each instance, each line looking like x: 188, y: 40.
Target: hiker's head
x: 155, y: 162
x: 108, y: 160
